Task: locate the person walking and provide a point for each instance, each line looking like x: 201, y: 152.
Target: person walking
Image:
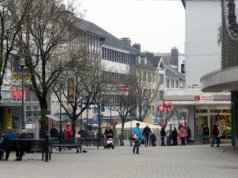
x: 136, y: 130
x: 183, y: 134
x: 146, y: 133
x: 216, y: 133
x: 174, y: 136
x: 188, y: 135
x: 162, y: 136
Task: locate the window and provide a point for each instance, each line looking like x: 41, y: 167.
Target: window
x: 172, y: 83
x: 144, y: 76
x: 161, y: 79
x: 167, y: 84
x: 161, y: 95
x: 149, y: 77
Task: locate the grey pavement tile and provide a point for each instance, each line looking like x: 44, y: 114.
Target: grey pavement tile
x: 193, y: 161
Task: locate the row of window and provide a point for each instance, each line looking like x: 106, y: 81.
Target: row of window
x: 116, y: 77
x: 117, y: 56
x: 173, y: 84
x: 147, y: 76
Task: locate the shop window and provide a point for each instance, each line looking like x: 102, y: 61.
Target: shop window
x: 215, y: 111
x: 226, y: 111
x: 201, y: 110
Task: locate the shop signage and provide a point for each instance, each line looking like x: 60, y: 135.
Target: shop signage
x: 17, y: 93
x: 123, y: 88
x: 201, y: 98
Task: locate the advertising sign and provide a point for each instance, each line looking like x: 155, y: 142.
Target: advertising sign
x: 17, y: 71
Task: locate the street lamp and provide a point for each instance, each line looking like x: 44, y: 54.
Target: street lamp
x: 60, y: 126
x: 81, y: 116
x: 110, y: 106
x: 22, y: 64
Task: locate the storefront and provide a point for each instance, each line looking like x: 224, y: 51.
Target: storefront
x: 202, y: 109
x: 213, y: 114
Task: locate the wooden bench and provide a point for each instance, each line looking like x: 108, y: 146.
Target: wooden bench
x: 89, y: 141
x: 65, y: 143
x: 29, y: 146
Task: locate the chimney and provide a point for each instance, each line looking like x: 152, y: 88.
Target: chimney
x: 137, y: 46
x: 127, y: 41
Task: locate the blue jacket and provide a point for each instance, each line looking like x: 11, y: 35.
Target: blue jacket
x: 137, y: 131
x: 7, y: 136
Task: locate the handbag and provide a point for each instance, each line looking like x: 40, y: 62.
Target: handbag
x: 133, y: 137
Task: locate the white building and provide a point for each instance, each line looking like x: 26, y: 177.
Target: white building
x: 202, y: 51
x: 202, y: 56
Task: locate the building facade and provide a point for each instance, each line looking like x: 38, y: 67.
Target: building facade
x: 202, y: 50
x: 225, y: 79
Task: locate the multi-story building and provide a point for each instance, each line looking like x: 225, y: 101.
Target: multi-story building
x: 225, y: 79
x: 202, y: 50
x: 202, y: 56
x: 148, y: 78
x: 117, y: 57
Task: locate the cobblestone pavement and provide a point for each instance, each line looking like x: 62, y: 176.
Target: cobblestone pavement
x: 153, y: 162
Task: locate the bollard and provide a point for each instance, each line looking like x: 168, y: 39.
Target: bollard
x: 46, y: 148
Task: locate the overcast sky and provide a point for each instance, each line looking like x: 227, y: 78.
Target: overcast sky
x: 158, y: 25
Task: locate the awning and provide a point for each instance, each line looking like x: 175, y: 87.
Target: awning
x: 131, y: 124
x: 56, y: 117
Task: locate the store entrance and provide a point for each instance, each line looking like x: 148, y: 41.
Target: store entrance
x: 210, y: 115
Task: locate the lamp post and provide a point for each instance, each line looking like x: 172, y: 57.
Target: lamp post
x: 81, y: 116
x: 110, y: 107
x: 22, y: 65
x: 60, y: 126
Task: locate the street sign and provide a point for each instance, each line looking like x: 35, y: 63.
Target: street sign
x: 123, y: 88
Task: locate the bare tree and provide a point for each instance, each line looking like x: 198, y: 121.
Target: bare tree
x: 84, y: 87
x: 146, y: 96
x: 125, y: 104
x: 12, y: 15
x: 44, y: 40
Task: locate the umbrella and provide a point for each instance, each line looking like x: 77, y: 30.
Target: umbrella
x: 92, y: 122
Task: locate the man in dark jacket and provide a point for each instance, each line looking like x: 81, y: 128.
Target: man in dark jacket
x: 215, y: 132
x: 10, y: 134
x: 174, y: 136
x: 146, y: 133
x: 54, y: 131
x: 162, y: 136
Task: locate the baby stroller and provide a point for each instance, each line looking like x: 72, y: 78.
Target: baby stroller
x: 109, y: 141
x: 153, y: 139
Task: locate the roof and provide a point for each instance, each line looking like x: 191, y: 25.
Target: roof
x: 155, y: 61
x: 170, y: 71
x: 94, y: 29
x: 147, y: 66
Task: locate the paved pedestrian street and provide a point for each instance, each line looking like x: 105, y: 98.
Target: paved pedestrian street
x: 152, y: 162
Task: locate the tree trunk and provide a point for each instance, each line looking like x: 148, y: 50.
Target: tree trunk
x: 43, y: 120
x: 122, y: 133
x: 73, y: 126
